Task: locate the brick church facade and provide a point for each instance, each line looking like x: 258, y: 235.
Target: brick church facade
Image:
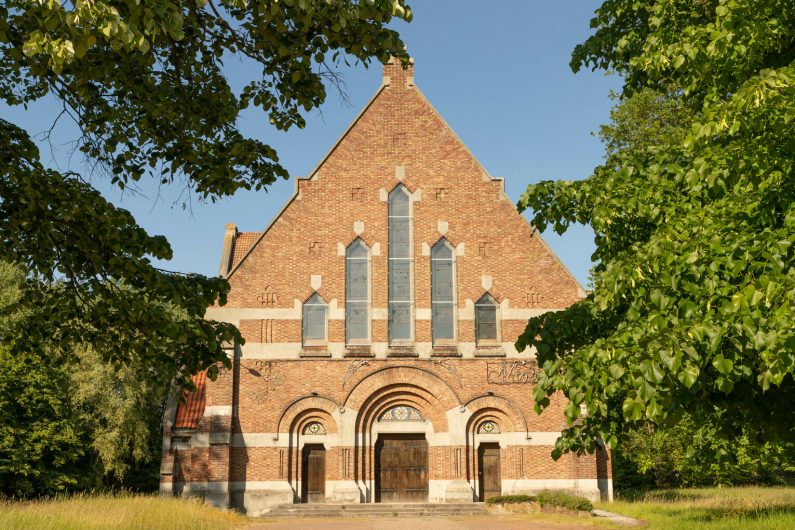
x: 379, y: 311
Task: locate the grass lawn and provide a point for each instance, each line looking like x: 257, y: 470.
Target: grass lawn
x: 115, y: 512
x: 712, y: 508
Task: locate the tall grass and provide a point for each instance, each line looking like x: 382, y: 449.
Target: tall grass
x: 749, y: 508
x: 115, y: 512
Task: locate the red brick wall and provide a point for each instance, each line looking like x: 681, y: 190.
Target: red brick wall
x: 399, y: 128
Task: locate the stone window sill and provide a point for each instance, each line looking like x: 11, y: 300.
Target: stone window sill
x: 402, y: 351
x: 489, y: 351
x: 445, y: 351
x: 311, y: 352
x: 358, y: 351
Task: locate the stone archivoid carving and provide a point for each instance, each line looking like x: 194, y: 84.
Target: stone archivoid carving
x: 352, y: 369
x: 512, y: 372
x: 269, y: 378
x: 259, y: 397
x: 314, y: 427
x: 451, y: 368
x: 488, y: 427
x: 401, y: 413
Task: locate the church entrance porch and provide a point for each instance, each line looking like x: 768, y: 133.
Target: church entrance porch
x: 401, y: 473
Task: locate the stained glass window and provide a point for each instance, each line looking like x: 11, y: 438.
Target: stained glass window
x: 314, y: 319
x: 488, y: 427
x: 357, y: 292
x: 401, y: 413
x: 486, y: 319
x: 400, y: 263
x: 442, y: 291
x: 314, y: 427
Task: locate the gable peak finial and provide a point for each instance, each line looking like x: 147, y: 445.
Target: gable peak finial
x: 394, y: 75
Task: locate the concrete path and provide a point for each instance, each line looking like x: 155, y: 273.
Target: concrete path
x: 422, y: 523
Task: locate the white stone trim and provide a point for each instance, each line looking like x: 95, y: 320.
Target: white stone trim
x: 217, y: 410
x: 292, y: 350
x: 315, y: 281
x: 423, y: 313
x: 234, y: 315
x: 346, y: 437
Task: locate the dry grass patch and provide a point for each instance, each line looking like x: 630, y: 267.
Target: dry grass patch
x: 116, y: 512
x: 751, y: 508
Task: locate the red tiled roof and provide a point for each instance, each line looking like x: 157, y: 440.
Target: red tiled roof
x: 191, y: 410
x: 243, y: 242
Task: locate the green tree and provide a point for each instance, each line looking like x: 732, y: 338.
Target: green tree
x: 670, y: 456
x: 40, y: 445
x: 692, y: 307
x: 121, y: 409
x: 648, y: 118
x: 88, y: 424
x: 680, y: 456
x: 144, y: 82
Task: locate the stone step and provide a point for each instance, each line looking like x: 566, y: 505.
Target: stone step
x: 377, y: 510
x: 380, y: 513
x: 389, y: 505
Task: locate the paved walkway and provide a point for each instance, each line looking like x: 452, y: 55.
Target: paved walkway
x: 422, y: 523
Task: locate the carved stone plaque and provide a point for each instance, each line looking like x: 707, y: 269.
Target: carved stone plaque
x: 512, y: 372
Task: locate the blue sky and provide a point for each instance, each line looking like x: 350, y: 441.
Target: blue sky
x: 499, y: 74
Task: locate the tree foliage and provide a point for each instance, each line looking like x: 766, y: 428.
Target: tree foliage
x: 121, y: 408
x: 144, y: 82
x: 692, y: 307
x: 680, y: 456
x: 88, y: 424
x: 40, y: 445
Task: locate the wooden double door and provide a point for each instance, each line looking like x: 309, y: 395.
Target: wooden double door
x: 313, y: 473
x: 401, y: 468
x: 490, y: 480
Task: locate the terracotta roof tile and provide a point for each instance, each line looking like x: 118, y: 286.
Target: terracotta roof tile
x: 243, y: 242
x: 191, y: 410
